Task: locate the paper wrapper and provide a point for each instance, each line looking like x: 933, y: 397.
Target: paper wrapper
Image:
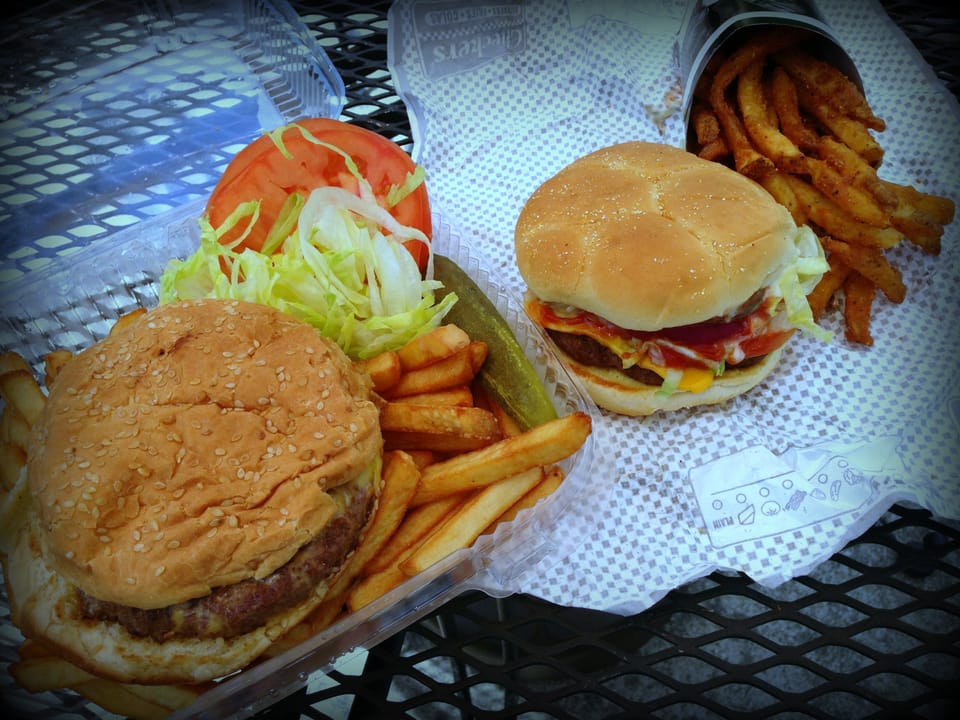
x: 504, y: 94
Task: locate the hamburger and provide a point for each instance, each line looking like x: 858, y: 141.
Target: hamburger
x: 666, y: 281
x: 196, y: 480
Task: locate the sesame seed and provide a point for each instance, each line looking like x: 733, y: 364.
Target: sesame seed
x: 159, y: 571
x: 173, y: 544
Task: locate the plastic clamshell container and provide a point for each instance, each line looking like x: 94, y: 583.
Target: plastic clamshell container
x: 74, y: 304
x: 112, y: 113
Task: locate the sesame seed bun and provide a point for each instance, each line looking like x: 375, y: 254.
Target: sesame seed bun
x: 200, y: 447
x: 650, y: 236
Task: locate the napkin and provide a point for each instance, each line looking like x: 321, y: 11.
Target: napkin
x: 502, y: 95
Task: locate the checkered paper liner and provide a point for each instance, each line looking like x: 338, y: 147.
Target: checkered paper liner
x: 503, y: 95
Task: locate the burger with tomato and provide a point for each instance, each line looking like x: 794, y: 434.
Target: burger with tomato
x: 665, y: 280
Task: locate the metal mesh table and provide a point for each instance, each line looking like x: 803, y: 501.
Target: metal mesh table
x: 873, y: 632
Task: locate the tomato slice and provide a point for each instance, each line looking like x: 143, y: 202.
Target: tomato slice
x: 262, y: 172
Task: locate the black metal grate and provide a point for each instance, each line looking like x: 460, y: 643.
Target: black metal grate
x: 873, y: 632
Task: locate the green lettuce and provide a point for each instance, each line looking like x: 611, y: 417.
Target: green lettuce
x: 798, y: 278
x: 340, y: 266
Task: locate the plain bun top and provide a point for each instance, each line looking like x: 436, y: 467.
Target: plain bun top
x: 195, y: 447
x: 650, y: 236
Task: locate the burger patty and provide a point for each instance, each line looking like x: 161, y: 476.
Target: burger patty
x: 236, y: 609
x: 587, y: 351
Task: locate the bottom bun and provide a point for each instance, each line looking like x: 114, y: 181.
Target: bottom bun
x: 614, y: 391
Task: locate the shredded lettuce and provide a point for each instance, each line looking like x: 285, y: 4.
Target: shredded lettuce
x: 342, y: 268
x: 798, y: 279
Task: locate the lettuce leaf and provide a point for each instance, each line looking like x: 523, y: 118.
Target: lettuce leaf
x: 343, y: 269
x: 797, y: 280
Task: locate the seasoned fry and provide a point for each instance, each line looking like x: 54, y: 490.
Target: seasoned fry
x: 851, y: 132
x: 747, y: 159
x: 430, y: 347
x: 836, y: 222
x: 714, y: 150
x: 783, y: 97
x: 755, y: 109
x: 779, y: 186
x: 705, y: 123
x: 855, y: 170
x: 441, y: 428
x: 872, y: 264
x: 823, y: 78
x: 859, y: 292
x: 384, y: 369
x: 471, y: 519
x: 828, y: 286
x: 857, y: 203
x: 543, y: 445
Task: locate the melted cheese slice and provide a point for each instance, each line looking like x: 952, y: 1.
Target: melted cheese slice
x: 694, y: 380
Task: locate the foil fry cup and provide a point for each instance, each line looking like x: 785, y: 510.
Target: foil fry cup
x: 712, y: 26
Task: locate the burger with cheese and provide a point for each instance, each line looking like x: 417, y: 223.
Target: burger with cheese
x: 196, y: 480
x: 665, y: 280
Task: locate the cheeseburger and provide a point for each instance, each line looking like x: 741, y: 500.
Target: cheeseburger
x: 666, y: 281
x: 196, y: 480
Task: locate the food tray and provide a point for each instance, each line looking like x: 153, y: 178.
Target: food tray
x: 112, y: 113
x: 74, y: 304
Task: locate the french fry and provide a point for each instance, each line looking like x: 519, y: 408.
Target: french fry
x: 870, y: 263
x: 126, y: 319
x: 375, y: 585
x: 756, y: 110
x: 138, y: 702
x: 835, y: 221
x: 384, y: 370
x: 400, y: 477
x: 779, y: 187
x: 747, y: 160
x: 855, y: 170
x: 783, y: 97
x: 705, y: 123
x: 542, y: 445
x: 19, y: 389
x: 461, y: 396
x: 441, y: 428
x: 432, y: 346
x: 14, y: 511
x: 471, y: 519
x: 53, y: 362
x: 12, y: 460
x: 453, y: 371
x: 14, y: 428
x: 11, y: 362
x: 859, y: 204
x: 546, y: 487
x: 715, y: 150
x: 859, y: 292
x: 40, y: 673
x: 848, y: 130
x: 418, y: 523
x: 822, y: 77
x: 829, y: 284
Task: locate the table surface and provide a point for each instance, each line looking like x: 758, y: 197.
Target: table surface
x: 872, y: 632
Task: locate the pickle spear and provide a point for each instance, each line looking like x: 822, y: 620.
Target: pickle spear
x: 507, y: 373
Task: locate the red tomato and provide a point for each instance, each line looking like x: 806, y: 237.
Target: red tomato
x: 261, y: 172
